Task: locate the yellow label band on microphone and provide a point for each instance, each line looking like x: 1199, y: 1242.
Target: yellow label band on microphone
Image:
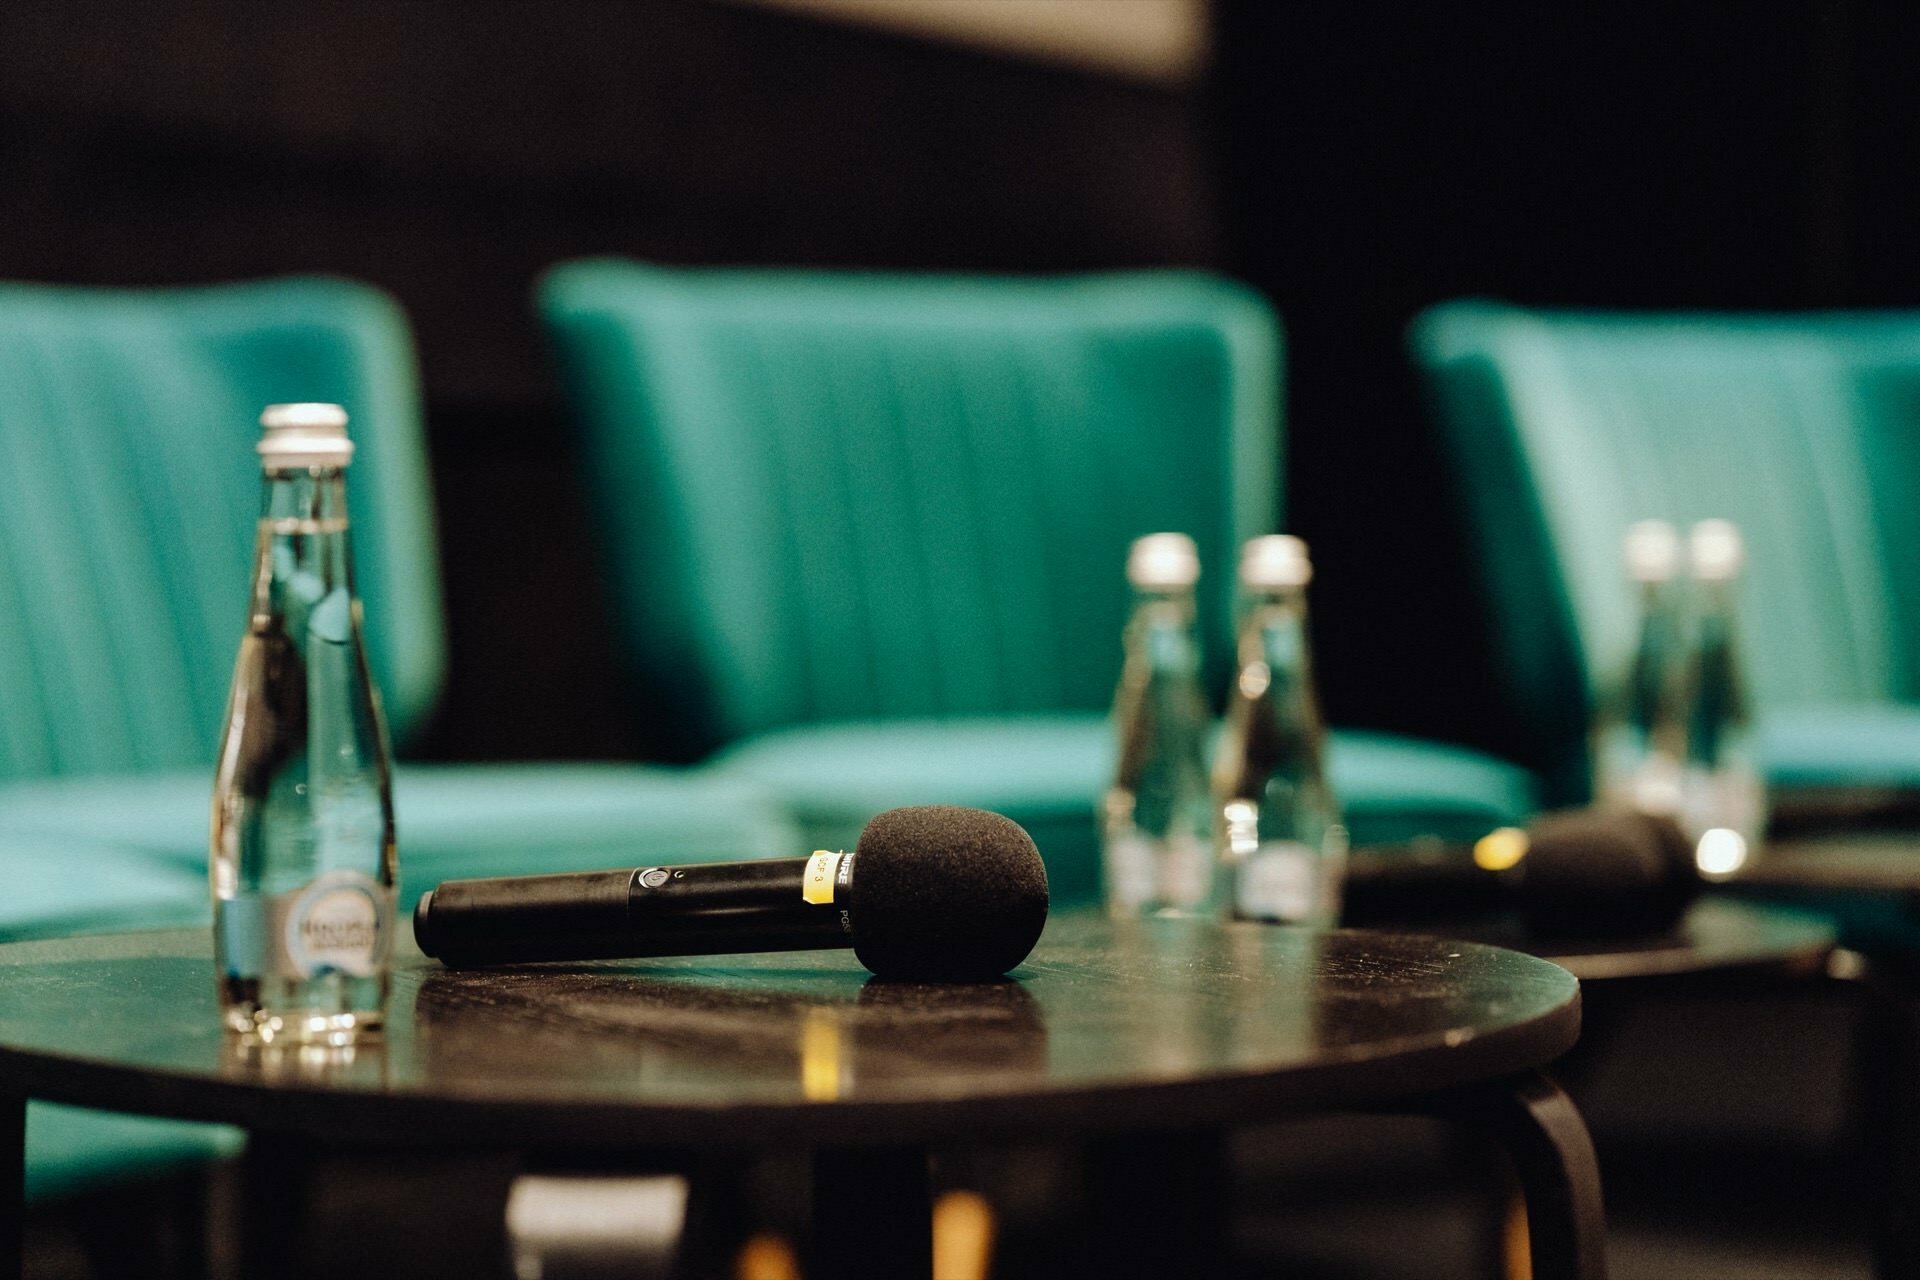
x: 1501, y: 850
x: 816, y: 885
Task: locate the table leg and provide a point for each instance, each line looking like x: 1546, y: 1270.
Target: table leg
x: 1158, y: 1204
x: 1889, y: 1072
x: 13, y: 1182
x: 872, y: 1213
x: 1537, y: 1124
x: 276, y: 1180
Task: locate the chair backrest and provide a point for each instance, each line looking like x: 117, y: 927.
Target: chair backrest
x: 129, y: 490
x: 1803, y: 429
x: 838, y: 496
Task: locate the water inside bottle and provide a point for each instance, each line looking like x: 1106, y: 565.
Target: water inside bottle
x: 303, y: 859
x: 1281, y: 837
x: 1157, y: 817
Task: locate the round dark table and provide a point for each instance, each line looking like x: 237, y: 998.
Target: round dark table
x: 1876, y: 871
x: 1882, y: 862
x: 1718, y: 941
x: 1107, y: 1029
x: 1717, y: 937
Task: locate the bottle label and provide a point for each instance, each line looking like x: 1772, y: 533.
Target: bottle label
x: 1633, y: 775
x: 1130, y: 871
x: 341, y: 923
x: 1176, y: 871
x: 1186, y: 871
x: 1730, y: 797
x: 1277, y: 882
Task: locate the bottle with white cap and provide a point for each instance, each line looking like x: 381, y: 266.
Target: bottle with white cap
x: 1723, y: 802
x: 1639, y: 735
x: 1281, y: 843
x: 1157, y: 818
x: 303, y: 860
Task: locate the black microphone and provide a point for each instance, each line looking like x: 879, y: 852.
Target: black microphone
x: 930, y: 893
x: 1579, y: 873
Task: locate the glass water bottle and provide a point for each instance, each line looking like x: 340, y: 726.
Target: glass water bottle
x: 1640, y: 737
x: 1282, y: 846
x: 303, y: 861
x: 1157, y: 818
x: 1723, y: 800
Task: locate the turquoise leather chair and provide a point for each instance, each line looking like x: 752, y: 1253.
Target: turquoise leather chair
x: 1804, y: 429
x: 128, y: 496
x: 868, y: 532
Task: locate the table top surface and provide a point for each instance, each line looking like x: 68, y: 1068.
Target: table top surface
x: 1884, y: 862
x: 1716, y: 936
x: 1161, y: 1023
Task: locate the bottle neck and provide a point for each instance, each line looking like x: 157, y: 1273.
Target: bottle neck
x: 1657, y: 657
x: 308, y: 495
x: 1161, y: 631
x: 1273, y: 627
x: 1716, y: 597
x: 1274, y: 661
x: 1716, y: 709
x: 1271, y: 772
x: 1712, y: 638
x: 303, y: 558
x: 1163, y: 604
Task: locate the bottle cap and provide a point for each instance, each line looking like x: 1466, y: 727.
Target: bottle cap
x: 1717, y: 551
x: 1161, y: 561
x: 1652, y: 550
x: 1275, y: 562
x: 304, y: 435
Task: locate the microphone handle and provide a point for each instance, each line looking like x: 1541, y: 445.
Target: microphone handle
x: 714, y: 908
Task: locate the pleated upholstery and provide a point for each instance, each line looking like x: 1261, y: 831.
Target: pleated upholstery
x: 869, y: 532
x: 129, y: 490
x: 842, y: 498
x: 128, y: 494
x: 1804, y: 430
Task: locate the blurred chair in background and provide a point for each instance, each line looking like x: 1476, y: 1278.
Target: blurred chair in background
x: 868, y: 532
x: 1565, y: 427
x: 128, y: 498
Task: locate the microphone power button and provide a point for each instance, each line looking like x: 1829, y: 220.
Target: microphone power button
x: 655, y: 878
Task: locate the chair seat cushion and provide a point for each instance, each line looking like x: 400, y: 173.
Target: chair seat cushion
x: 454, y: 821
x: 1046, y: 772
x: 1863, y: 745
x: 71, y: 1150
x: 58, y: 886
x: 1395, y: 789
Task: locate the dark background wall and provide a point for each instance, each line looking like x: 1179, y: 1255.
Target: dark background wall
x: 1375, y: 159
x: 1357, y: 162
x: 450, y: 150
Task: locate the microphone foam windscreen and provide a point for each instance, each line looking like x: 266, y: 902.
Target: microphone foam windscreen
x: 944, y: 893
